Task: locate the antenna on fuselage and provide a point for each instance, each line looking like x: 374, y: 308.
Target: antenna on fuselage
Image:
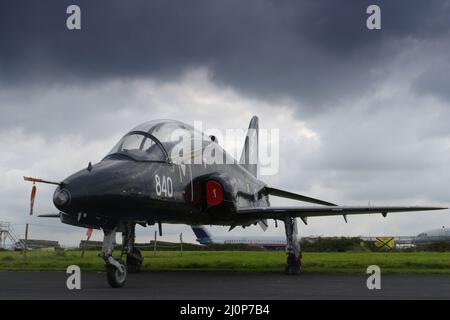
x: 160, y: 228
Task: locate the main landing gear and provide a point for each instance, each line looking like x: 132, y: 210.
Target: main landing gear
x: 117, y: 269
x: 294, y: 255
x: 134, y: 256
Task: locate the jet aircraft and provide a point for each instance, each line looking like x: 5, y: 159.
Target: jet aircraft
x: 147, y: 179
x: 270, y: 243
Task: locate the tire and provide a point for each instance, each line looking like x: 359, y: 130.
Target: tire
x: 293, y: 265
x: 134, y: 261
x: 114, y: 277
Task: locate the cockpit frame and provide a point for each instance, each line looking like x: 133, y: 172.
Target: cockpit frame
x: 146, y: 135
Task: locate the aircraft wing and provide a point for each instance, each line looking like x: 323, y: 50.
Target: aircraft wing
x: 321, y: 211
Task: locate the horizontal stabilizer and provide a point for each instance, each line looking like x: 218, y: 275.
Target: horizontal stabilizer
x: 295, y: 196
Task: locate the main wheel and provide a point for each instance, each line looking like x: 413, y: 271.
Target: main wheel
x: 134, y: 261
x: 116, y: 279
x: 293, y: 265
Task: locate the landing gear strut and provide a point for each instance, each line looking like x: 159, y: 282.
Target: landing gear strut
x: 134, y: 256
x: 294, y: 256
x: 116, y: 270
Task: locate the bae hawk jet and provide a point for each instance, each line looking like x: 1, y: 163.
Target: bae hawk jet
x: 148, y: 178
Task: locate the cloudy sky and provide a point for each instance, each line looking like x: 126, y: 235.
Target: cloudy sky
x: 363, y: 114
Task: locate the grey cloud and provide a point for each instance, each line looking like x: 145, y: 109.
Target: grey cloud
x: 370, y: 96
x: 434, y: 81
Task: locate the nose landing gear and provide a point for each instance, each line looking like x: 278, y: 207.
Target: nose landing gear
x: 116, y: 274
x: 116, y: 271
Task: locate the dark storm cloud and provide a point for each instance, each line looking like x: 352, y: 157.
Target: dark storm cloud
x: 313, y: 51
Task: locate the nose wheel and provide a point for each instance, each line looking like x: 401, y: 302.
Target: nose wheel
x: 116, y: 269
x: 116, y: 276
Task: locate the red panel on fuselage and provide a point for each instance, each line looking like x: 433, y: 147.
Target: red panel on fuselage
x: 214, y: 193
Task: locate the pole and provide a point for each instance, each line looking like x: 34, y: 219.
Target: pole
x: 25, y: 245
x: 88, y: 235
x: 84, y: 247
x: 181, y: 243
x: 154, y: 246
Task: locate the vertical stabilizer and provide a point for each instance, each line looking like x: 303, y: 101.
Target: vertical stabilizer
x: 249, y: 156
x: 203, y: 236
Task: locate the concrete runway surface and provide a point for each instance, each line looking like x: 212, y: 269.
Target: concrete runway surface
x: 218, y: 286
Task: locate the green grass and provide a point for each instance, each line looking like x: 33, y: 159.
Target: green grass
x: 238, y: 261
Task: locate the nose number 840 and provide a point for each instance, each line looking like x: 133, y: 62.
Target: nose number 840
x: 163, y: 186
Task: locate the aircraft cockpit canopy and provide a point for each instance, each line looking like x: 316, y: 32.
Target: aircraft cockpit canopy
x: 155, y: 140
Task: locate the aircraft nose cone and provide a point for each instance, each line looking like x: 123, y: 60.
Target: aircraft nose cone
x: 61, y: 197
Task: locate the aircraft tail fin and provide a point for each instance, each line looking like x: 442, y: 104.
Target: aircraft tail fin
x: 203, y: 236
x: 249, y: 156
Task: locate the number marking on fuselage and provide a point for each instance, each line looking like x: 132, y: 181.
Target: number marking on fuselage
x: 163, y: 186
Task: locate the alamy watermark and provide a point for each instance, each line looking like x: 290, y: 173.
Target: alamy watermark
x: 74, y: 280
x: 261, y: 147
x: 374, y: 280
x: 73, y: 20
x: 373, y: 22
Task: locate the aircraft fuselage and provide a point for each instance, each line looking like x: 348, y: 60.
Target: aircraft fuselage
x: 117, y: 190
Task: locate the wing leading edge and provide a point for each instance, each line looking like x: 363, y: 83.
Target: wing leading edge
x: 322, y: 211
x: 295, y: 196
